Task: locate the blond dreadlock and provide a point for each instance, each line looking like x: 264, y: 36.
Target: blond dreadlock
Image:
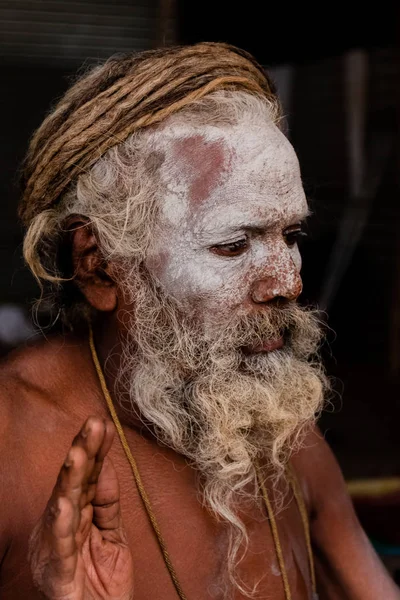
x: 124, y: 95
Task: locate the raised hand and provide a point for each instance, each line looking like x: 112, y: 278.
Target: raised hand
x: 79, y: 550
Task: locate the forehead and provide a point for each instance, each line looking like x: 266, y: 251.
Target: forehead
x: 240, y: 168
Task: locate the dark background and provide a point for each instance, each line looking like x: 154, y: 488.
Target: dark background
x: 337, y: 69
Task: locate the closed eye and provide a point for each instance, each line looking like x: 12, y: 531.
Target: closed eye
x: 231, y: 249
x: 293, y: 235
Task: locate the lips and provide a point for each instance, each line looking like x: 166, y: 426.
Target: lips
x: 269, y: 346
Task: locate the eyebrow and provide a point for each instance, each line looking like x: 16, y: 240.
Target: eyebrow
x: 259, y: 228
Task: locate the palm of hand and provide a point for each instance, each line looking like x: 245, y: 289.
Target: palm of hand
x: 79, y: 549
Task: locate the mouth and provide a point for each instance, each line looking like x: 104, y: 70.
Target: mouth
x: 269, y: 346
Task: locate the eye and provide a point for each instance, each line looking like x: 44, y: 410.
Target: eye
x: 232, y: 249
x: 293, y: 234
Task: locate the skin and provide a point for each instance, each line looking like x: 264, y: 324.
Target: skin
x: 230, y: 231
x: 72, y: 494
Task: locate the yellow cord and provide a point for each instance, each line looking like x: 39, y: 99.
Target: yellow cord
x: 135, y: 470
x: 147, y: 505
x: 275, y: 535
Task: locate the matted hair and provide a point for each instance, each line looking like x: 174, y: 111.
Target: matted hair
x: 89, y: 156
x: 125, y: 94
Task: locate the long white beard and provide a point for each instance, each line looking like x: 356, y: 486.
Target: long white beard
x: 214, y: 404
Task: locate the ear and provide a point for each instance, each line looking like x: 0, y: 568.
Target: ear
x: 92, y: 274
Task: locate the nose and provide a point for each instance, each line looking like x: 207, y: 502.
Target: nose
x: 284, y: 282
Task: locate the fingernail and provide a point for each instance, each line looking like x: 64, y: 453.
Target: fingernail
x: 58, y: 507
x: 86, y: 430
x: 55, y: 509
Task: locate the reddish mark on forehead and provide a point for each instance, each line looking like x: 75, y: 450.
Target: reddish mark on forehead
x: 204, y: 164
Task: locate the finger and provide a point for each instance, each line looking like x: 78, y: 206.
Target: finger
x: 108, y: 438
x: 95, y: 438
x: 71, y: 485
x: 73, y: 475
x: 89, y: 440
x: 106, y: 505
x: 52, y: 550
x: 91, y: 436
x: 63, y: 557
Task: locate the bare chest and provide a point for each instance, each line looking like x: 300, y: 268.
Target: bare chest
x: 197, y: 544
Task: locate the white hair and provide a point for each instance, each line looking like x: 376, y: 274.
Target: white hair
x: 120, y: 194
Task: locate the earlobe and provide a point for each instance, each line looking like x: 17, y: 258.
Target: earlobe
x: 91, y: 273
x: 102, y: 298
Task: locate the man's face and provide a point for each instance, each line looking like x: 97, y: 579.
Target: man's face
x: 198, y: 359
x: 226, y: 239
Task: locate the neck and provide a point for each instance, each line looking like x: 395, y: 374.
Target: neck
x: 108, y: 347
x: 108, y: 338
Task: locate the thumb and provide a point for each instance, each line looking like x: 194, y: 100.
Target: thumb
x: 106, y: 504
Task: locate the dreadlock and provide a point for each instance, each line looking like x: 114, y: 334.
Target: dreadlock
x: 125, y: 94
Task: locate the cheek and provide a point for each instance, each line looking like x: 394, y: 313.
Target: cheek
x: 191, y: 276
x: 211, y: 278
x: 157, y: 263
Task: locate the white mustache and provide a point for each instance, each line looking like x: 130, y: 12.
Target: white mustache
x: 207, y: 401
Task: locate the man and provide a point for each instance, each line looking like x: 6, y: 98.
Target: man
x: 163, y: 208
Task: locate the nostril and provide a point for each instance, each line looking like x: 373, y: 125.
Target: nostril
x: 280, y: 302
x: 264, y: 290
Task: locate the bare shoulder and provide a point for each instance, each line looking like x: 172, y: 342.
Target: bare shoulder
x: 43, y: 363
x: 346, y: 563
x: 26, y: 376
x: 321, y: 478
x: 36, y: 389
x: 44, y: 378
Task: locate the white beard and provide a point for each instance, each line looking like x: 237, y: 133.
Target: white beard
x: 214, y: 404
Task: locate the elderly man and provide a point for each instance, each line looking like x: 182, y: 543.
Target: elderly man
x: 163, y: 206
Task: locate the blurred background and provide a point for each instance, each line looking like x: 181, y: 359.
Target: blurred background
x: 337, y: 70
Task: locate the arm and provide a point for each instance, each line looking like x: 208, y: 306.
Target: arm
x: 347, y: 566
